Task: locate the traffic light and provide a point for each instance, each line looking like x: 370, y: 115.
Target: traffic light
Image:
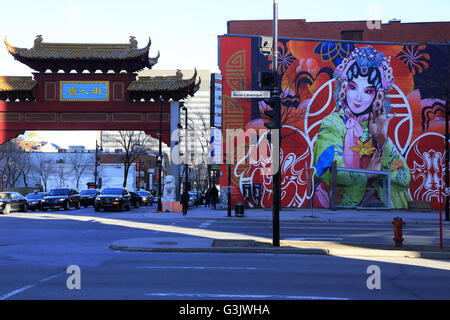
x: 266, y: 79
x: 274, y: 114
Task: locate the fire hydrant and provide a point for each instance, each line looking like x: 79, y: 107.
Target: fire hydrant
x: 398, y: 231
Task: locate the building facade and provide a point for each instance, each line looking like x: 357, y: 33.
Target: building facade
x: 406, y: 81
x: 393, y: 31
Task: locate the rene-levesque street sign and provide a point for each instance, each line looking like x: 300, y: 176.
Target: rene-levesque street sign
x: 250, y: 94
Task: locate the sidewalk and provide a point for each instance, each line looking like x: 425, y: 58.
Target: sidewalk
x: 207, y: 242
x: 312, y: 215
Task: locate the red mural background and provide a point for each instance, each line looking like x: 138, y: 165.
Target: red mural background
x: 305, y: 76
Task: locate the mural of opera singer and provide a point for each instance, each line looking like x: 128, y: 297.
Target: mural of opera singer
x: 356, y: 135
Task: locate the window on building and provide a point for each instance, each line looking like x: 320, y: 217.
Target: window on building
x: 356, y: 35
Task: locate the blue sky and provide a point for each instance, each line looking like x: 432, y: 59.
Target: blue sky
x: 185, y: 32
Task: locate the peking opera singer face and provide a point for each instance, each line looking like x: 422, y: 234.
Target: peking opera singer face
x: 360, y: 95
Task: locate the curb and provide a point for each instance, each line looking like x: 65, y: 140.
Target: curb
x: 316, y: 251
x: 321, y: 220
x: 222, y: 250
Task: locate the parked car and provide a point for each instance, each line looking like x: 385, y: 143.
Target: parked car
x: 136, y: 199
x: 147, y: 198
x: 113, y: 198
x: 61, y: 198
x: 12, y: 201
x: 34, y: 200
x: 88, y: 197
x: 192, y: 199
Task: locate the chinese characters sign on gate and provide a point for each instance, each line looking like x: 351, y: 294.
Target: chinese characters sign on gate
x: 84, y: 91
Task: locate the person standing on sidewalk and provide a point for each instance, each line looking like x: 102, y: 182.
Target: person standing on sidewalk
x: 184, y: 201
x: 207, y: 198
x: 213, y: 194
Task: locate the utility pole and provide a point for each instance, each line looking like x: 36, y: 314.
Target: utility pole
x: 447, y: 157
x: 186, y: 167
x: 229, y: 190
x: 159, y: 161
x: 276, y: 177
x: 96, y: 164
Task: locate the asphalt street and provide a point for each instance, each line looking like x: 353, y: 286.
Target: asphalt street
x: 35, y: 254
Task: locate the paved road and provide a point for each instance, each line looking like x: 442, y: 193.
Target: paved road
x: 35, y: 254
x: 340, y: 232
x: 355, y: 232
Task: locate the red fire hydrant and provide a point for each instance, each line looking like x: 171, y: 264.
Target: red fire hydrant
x: 398, y: 231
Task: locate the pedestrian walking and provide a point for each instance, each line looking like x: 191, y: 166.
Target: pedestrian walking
x: 207, y: 200
x: 184, y: 201
x: 214, y: 194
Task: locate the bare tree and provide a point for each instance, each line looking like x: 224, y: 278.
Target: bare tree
x: 60, y: 177
x: 43, y: 168
x: 200, y: 134
x: 200, y: 177
x: 78, y: 164
x: 26, y: 169
x: 13, y: 162
x: 133, y: 143
x: 199, y: 127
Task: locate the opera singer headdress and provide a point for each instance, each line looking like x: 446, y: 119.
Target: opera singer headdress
x: 365, y: 62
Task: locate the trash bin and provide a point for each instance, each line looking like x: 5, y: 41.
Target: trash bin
x: 239, y: 209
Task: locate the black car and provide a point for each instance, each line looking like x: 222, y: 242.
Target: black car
x: 12, y: 201
x: 147, y: 198
x: 88, y: 197
x: 136, y: 199
x: 113, y: 198
x: 34, y: 200
x: 61, y: 198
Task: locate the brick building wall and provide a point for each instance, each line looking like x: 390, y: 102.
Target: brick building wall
x: 394, y: 31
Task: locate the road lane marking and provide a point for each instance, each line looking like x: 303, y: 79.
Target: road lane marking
x: 12, y: 293
x: 198, y: 268
x: 314, y: 239
x: 240, y: 296
x: 206, y: 224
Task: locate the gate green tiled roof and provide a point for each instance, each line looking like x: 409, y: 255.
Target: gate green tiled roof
x: 174, y: 87
x: 9, y: 83
x: 65, y: 56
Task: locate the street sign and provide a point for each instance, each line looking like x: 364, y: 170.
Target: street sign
x: 4, y: 177
x: 216, y: 100
x: 250, y: 94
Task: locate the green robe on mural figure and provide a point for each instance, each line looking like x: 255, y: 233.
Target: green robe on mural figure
x: 352, y: 186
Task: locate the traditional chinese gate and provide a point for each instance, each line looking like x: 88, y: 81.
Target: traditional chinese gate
x: 108, y: 97
x: 91, y: 87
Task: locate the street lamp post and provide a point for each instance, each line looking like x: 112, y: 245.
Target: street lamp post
x: 141, y: 175
x: 159, y: 161
x: 276, y: 177
x: 186, y: 168
x: 229, y: 191
x: 447, y: 159
x: 229, y: 183
x: 96, y: 162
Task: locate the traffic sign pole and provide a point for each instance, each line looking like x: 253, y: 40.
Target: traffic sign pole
x: 276, y: 177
